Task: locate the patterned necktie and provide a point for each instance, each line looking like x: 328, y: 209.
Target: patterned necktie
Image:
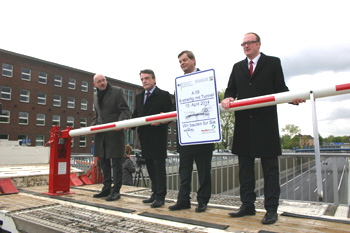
x: 251, y: 68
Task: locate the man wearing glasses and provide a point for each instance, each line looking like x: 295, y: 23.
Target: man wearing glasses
x: 256, y: 133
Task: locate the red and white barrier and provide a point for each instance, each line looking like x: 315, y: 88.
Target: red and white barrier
x: 255, y: 102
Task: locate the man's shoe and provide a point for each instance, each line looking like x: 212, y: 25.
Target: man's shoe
x: 201, y: 207
x: 243, y: 211
x: 149, y: 200
x: 180, y: 205
x: 157, y: 204
x: 270, y: 218
x: 113, y: 196
x: 103, y: 193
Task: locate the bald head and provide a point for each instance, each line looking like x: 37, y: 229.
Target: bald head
x: 100, y: 82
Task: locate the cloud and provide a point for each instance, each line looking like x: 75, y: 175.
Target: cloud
x: 316, y: 60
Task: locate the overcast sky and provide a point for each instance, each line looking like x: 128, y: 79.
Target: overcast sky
x: 119, y: 38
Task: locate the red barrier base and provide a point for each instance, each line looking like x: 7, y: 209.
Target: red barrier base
x: 74, y: 180
x: 85, y: 179
x: 59, y: 193
x: 7, y: 186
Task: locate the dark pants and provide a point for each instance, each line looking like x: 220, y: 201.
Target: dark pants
x: 157, y: 174
x: 107, y: 165
x: 272, y: 188
x: 203, y: 163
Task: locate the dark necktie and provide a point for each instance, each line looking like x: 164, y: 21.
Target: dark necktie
x: 147, y: 95
x: 251, y: 68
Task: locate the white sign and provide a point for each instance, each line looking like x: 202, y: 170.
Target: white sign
x: 62, y: 168
x: 197, y: 105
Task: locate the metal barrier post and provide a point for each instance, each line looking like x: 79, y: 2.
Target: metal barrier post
x: 317, y: 148
x: 60, y: 154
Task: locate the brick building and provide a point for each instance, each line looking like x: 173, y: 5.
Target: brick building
x: 37, y: 94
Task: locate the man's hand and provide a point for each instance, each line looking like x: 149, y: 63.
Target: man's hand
x: 225, y: 103
x: 298, y: 101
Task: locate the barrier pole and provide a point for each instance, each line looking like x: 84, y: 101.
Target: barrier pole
x: 256, y: 102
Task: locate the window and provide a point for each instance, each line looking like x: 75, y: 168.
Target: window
x: 24, y: 97
x: 39, y: 140
x: 83, y: 122
x: 175, y: 142
x: 57, y: 100
x: 169, y: 130
x: 71, y: 102
x: 56, y: 119
x: 57, y: 81
x: 129, y: 97
x: 4, y: 136
x: 7, y: 70
x: 41, y: 98
x: 42, y: 77
x: 26, y: 74
x: 5, y: 117
x: 23, y: 118
x: 175, y: 130
x: 70, y: 121
x: 83, y: 105
x: 72, y: 142
x: 71, y: 83
x: 169, y: 143
x: 40, y: 119
x: 82, y: 141
x: 6, y: 93
x: 84, y: 86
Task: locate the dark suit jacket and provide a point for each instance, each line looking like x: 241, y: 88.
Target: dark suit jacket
x: 153, y: 139
x: 115, y: 108
x: 256, y: 130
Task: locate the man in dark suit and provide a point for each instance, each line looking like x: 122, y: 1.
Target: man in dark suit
x: 154, y: 137
x: 110, y: 106
x: 256, y: 133
x: 201, y: 154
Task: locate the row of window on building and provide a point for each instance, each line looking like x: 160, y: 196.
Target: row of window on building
x: 40, y: 140
x: 26, y: 74
x: 23, y: 119
x: 6, y: 94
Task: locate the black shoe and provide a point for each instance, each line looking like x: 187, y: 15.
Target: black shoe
x: 149, y: 200
x: 104, y: 193
x: 180, y: 205
x: 157, y: 204
x: 243, y: 211
x: 201, y: 207
x: 113, y: 196
x: 270, y: 218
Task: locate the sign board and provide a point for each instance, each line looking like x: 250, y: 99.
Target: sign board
x: 197, y: 106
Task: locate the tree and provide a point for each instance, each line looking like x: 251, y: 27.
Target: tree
x: 291, y: 130
x: 288, y: 140
x: 227, y: 125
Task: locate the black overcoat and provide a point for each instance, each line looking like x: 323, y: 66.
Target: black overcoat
x: 110, y: 144
x: 153, y: 139
x: 256, y: 131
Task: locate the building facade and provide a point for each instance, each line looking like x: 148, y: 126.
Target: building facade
x: 35, y: 95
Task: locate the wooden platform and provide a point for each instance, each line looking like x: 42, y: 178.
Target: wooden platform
x: 215, y: 219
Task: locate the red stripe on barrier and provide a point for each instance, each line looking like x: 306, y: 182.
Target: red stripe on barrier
x: 103, y: 127
x: 163, y: 116
x: 342, y: 87
x: 251, y: 102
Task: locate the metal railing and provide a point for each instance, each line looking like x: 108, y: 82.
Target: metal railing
x: 297, y: 175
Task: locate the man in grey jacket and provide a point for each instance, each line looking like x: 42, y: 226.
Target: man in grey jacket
x: 110, y: 106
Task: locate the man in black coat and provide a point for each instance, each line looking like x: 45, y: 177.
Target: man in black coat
x: 154, y: 137
x: 110, y: 106
x: 200, y: 154
x: 256, y: 133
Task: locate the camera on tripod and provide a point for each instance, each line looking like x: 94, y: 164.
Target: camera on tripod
x: 139, y: 160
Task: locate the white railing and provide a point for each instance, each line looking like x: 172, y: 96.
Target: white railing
x: 297, y: 175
